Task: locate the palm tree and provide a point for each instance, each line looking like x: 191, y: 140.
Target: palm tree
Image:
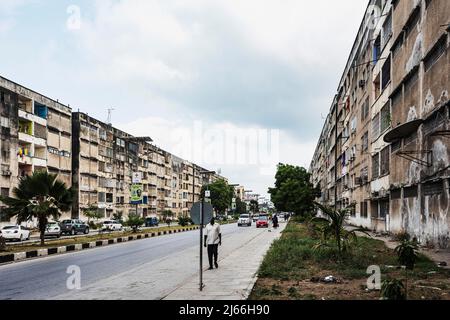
x: 39, y: 196
x: 333, y: 226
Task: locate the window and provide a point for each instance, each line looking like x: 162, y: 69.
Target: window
x: 365, y: 110
x: 365, y: 142
x: 101, y: 197
x: 396, y: 194
x: 385, y: 118
x: 387, y: 29
x: 375, y: 166
x: 384, y: 209
x: 377, y: 49
x: 4, y: 122
x: 435, y: 53
x: 434, y: 188
x: 384, y: 161
x: 410, y: 192
x: 376, y: 126
x: 109, y: 198
x: 364, y: 211
x: 386, y: 74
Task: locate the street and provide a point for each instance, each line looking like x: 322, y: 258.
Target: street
x: 145, y: 269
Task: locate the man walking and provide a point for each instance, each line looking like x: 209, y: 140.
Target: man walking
x: 213, y: 239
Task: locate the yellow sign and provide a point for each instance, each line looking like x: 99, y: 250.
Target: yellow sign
x: 136, y: 193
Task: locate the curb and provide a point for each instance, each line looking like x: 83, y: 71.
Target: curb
x: 21, y: 256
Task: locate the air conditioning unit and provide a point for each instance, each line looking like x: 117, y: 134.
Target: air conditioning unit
x: 6, y: 173
x: 362, y: 83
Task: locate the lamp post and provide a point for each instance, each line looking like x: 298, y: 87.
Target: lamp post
x: 234, y: 197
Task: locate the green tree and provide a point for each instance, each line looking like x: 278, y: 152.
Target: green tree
x: 293, y: 191
x: 134, y: 221
x: 221, y: 195
x: 332, y: 227
x: 254, y: 206
x: 38, y: 196
x: 92, y: 213
x: 241, y: 206
x: 118, y: 216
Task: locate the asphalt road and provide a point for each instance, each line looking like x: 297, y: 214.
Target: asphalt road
x: 44, y: 278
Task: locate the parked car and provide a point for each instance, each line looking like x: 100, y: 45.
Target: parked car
x: 73, y: 227
x: 53, y: 229
x: 151, y: 222
x: 263, y: 222
x: 111, y: 225
x: 17, y: 233
x: 244, y: 220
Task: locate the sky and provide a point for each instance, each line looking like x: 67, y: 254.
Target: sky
x: 237, y: 86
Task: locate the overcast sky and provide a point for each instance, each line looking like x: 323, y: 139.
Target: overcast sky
x: 191, y: 74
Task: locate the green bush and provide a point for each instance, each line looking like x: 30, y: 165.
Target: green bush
x: 393, y: 290
x: 407, y: 253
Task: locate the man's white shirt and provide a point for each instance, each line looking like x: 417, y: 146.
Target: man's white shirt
x: 212, y: 233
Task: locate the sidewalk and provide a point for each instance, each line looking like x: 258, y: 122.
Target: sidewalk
x: 236, y: 276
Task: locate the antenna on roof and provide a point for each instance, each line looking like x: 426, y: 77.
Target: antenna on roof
x: 109, y: 120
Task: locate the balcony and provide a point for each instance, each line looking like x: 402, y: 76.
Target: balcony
x: 31, y: 117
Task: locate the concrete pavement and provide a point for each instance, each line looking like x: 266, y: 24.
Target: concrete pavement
x: 175, y: 275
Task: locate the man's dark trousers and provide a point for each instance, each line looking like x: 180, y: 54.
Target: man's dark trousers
x: 212, y: 252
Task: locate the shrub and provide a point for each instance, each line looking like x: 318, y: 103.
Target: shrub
x: 393, y: 290
x: 407, y: 253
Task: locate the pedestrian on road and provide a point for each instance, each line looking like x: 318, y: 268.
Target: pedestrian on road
x: 275, y: 221
x: 213, y: 239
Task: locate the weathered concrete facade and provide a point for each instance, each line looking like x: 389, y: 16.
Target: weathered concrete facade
x: 384, y: 146
x: 105, y: 159
x: 35, y: 135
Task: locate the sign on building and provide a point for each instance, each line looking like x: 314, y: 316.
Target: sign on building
x: 137, y: 177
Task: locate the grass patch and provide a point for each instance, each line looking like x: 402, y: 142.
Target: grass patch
x: 292, y: 263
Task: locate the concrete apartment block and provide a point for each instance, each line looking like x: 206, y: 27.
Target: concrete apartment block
x: 35, y: 135
x: 384, y: 146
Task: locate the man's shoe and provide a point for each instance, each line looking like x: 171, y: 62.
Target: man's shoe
x: 217, y: 266
x: 210, y: 268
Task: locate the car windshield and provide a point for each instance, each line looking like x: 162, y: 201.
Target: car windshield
x: 263, y: 218
x: 67, y: 221
x: 52, y: 224
x: 11, y: 228
x: 244, y: 216
x: 108, y: 222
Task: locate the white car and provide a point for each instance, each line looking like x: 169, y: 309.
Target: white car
x: 53, y: 229
x: 17, y: 233
x: 111, y: 225
x: 245, y: 220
